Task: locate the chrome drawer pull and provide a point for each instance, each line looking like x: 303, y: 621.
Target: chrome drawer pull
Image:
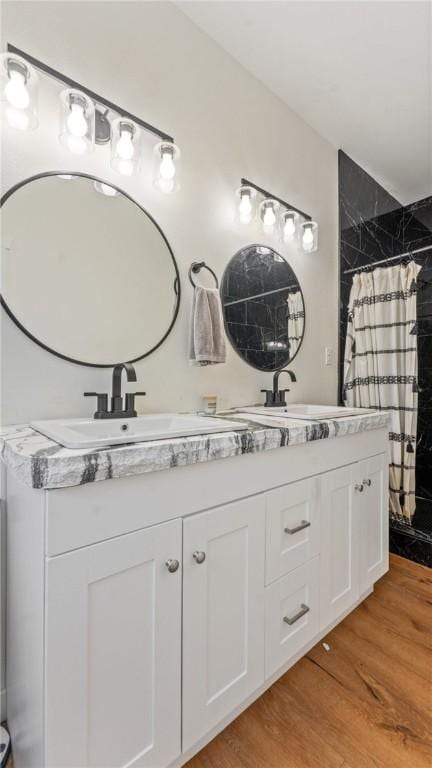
x: 359, y: 487
x: 303, y: 524
x: 367, y: 482
x: 172, y: 565
x: 292, y: 619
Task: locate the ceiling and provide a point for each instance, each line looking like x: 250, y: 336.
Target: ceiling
x: 358, y: 71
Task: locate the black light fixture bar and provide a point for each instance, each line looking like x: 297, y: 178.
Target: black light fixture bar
x: 247, y: 183
x: 91, y: 94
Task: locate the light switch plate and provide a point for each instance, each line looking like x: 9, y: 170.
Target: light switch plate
x: 329, y: 356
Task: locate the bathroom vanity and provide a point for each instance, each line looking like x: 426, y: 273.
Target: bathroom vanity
x: 156, y: 589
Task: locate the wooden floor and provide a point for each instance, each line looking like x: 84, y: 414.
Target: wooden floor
x: 367, y: 703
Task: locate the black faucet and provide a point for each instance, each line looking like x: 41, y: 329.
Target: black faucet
x: 275, y: 398
x: 117, y: 411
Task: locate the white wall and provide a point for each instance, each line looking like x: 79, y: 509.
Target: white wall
x: 151, y: 59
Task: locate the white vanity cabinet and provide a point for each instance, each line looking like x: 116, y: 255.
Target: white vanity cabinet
x: 223, y: 613
x: 354, y: 533
x: 374, y: 522
x: 113, y: 652
x: 118, y: 658
x: 340, y: 543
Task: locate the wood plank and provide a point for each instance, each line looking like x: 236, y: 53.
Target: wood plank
x: 365, y: 704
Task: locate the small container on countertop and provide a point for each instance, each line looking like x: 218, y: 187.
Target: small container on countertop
x: 209, y: 404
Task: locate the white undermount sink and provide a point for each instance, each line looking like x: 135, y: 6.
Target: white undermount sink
x: 308, y: 412
x: 87, y: 433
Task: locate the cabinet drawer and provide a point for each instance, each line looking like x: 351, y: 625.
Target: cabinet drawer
x: 292, y: 614
x: 292, y: 527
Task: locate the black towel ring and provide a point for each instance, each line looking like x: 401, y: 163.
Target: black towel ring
x: 196, y: 267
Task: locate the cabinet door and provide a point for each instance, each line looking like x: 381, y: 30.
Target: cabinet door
x: 113, y: 644
x: 374, y: 520
x: 339, y: 557
x: 292, y: 527
x: 223, y: 613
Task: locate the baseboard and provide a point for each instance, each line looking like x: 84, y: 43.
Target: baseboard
x: 3, y: 704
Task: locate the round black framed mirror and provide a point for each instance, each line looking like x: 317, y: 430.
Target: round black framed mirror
x: 87, y: 273
x: 263, y: 307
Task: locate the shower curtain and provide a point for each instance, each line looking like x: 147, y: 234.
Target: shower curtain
x: 380, y: 367
x: 295, y: 317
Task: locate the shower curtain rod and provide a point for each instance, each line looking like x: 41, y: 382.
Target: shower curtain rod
x: 392, y: 258
x: 260, y: 295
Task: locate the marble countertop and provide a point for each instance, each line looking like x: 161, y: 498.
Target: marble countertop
x: 39, y: 462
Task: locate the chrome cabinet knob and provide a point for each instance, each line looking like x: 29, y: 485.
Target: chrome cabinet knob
x: 359, y: 487
x: 199, y: 557
x: 172, y: 565
x: 367, y: 482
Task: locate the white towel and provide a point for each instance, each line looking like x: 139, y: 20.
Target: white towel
x: 207, y: 338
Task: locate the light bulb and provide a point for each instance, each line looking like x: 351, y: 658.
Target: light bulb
x: 17, y: 118
x: 76, y: 144
x: 289, y: 228
x: 245, y: 207
x: 125, y: 147
x: 16, y: 91
x: 269, y: 217
x: 308, y: 239
x: 105, y: 189
x: 167, y: 167
x: 76, y: 122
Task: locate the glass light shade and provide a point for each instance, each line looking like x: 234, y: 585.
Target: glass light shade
x: 125, y: 146
x: 105, y: 189
x: 309, y: 236
x: 268, y: 214
x: 246, y: 208
x: 289, y: 222
x: 18, y: 92
x: 166, y: 176
x: 77, y: 122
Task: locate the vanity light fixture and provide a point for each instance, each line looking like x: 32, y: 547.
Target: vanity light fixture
x: 275, y: 213
x: 309, y: 236
x: 246, y: 207
x: 87, y: 118
x: 268, y: 210
x: 76, y: 122
x: 166, y: 174
x: 19, y: 92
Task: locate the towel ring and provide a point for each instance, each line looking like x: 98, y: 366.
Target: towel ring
x: 196, y: 267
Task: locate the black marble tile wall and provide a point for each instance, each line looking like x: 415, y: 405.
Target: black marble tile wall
x: 373, y: 225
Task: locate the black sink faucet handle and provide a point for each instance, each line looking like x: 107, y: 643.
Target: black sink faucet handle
x: 281, y: 396
x: 269, y: 397
x: 130, y: 401
x: 102, y: 401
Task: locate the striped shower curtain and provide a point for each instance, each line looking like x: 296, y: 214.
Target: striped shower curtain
x: 380, y: 367
x: 295, y: 317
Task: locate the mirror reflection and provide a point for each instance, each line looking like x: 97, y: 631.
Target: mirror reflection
x: 86, y: 272
x: 263, y: 307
